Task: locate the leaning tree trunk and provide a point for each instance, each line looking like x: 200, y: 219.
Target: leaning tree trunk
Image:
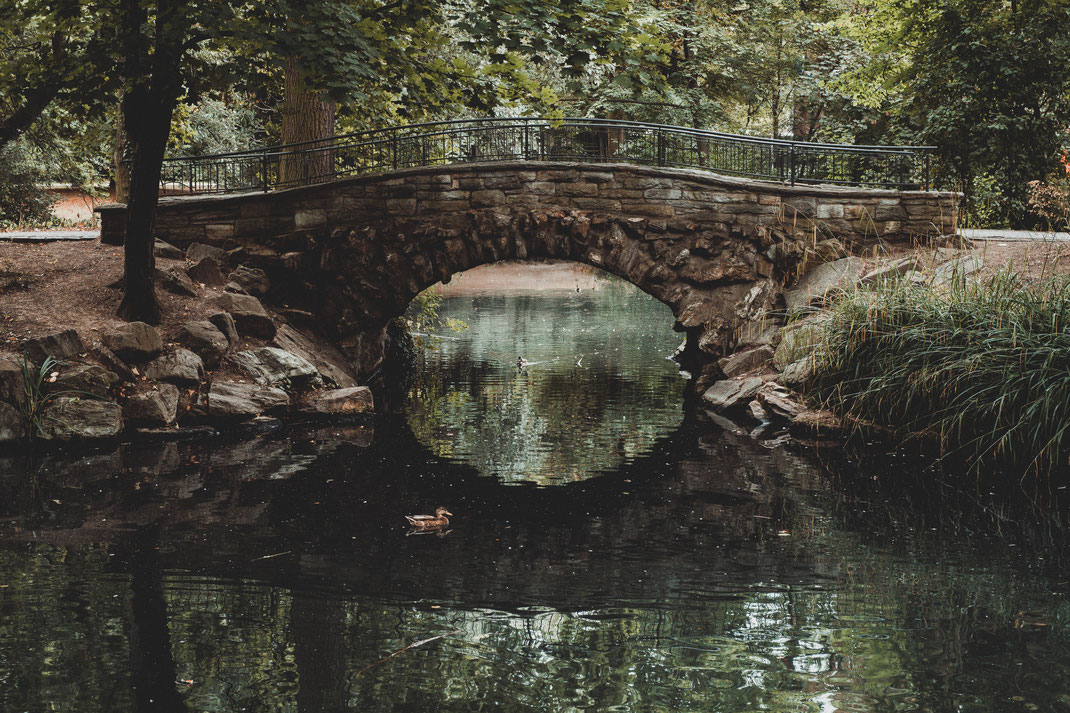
x: 307, y: 115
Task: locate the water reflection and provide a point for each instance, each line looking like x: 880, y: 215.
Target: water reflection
x: 706, y: 573
x: 596, y: 391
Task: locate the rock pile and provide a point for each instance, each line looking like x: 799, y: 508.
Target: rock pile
x: 241, y: 363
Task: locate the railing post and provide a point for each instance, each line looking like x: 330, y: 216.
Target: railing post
x: 264, y: 169
x: 527, y: 126
x: 191, y: 177
x: 928, y: 180
x: 791, y: 163
x: 394, y: 145
x: 661, y: 148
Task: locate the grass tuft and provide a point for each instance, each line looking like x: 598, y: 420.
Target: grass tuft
x: 982, y: 367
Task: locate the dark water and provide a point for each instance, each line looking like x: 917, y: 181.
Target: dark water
x: 597, y: 561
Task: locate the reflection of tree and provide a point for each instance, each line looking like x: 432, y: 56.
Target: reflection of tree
x: 152, y: 668
x: 317, y: 630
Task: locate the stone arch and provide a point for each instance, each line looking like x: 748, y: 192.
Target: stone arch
x: 715, y: 282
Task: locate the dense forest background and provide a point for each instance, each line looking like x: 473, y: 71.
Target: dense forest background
x: 986, y: 82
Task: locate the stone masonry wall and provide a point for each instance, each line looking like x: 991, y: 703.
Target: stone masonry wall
x: 717, y: 250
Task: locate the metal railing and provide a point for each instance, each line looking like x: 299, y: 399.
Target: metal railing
x: 538, y: 139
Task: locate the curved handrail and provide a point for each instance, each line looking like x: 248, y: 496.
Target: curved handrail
x: 547, y: 139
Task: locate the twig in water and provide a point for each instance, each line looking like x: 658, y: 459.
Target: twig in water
x: 413, y: 645
x: 267, y: 557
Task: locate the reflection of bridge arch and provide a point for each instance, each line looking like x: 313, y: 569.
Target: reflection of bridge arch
x: 716, y: 250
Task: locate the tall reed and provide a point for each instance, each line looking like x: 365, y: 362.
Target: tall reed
x: 982, y: 367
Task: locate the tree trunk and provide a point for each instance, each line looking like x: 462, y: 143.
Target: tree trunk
x: 153, y: 83
x: 306, y: 116
x: 120, y: 159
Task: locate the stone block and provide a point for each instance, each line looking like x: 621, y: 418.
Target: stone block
x: 487, y: 198
x: 204, y: 339
x: 271, y: 366
x: 224, y: 322
x: 86, y: 379
x: 196, y: 251
x: 207, y: 271
x: 746, y: 361
x: 176, y: 281
x: 59, y: 345
x: 827, y: 277
x: 730, y: 393
x: 357, y: 399
x: 133, y: 342
x: 235, y: 400
x: 577, y: 189
x: 663, y: 194
x: 156, y: 407
x: 218, y: 232
x: 73, y: 418
x: 311, y: 218
x: 249, y: 315
x: 182, y: 367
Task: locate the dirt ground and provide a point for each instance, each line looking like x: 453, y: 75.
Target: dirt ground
x: 52, y: 286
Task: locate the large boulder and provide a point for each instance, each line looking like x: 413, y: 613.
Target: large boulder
x: 330, y: 362
x: 224, y: 322
x: 72, y: 418
x: 730, y: 393
x: 799, y: 339
x: 86, y: 378
x: 204, y: 339
x: 778, y: 401
x: 133, y: 342
x: 207, y: 271
x: 60, y: 345
x: 249, y: 315
x: 233, y: 400
x: 176, y: 280
x: 839, y: 275
x: 798, y: 372
x: 746, y: 361
x: 156, y: 407
x: 251, y: 280
x: 272, y: 366
x: 196, y: 251
x: 182, y: 368
x: 357, y: 399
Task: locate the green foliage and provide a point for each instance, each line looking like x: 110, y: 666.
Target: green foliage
x: 984, y: 368
x: 35, y: 382
x: 988, y: 83
x: 22, y: 199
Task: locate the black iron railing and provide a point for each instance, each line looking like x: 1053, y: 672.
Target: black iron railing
x: 537, y: 139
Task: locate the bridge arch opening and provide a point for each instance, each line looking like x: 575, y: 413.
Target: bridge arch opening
x: 595, y: 390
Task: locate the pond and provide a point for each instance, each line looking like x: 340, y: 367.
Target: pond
x: 609, y: 551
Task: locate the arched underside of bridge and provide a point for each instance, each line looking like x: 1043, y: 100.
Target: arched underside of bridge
x: 718, y: 251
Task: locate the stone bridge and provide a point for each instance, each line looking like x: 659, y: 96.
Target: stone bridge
x: 718, y: 251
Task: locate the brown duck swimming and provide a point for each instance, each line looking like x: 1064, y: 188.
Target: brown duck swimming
x: 430, y: 522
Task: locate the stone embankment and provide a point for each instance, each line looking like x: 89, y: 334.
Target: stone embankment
x: 761, y: 387
x: 242, y: 363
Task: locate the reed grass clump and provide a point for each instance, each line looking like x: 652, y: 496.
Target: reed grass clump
x: 981, y: 367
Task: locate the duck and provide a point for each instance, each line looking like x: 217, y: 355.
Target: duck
x: 430, y: 522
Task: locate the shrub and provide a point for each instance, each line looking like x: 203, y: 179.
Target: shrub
x: 22, y: 199
x: 984, y: 368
